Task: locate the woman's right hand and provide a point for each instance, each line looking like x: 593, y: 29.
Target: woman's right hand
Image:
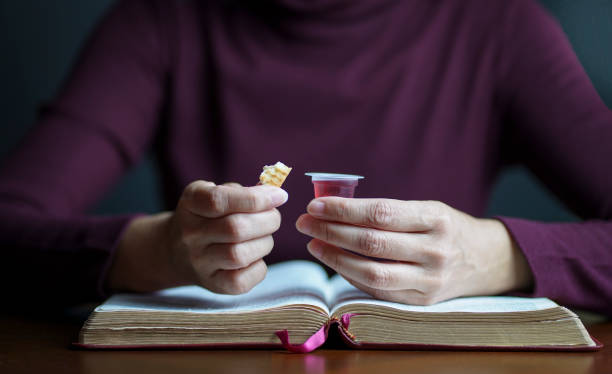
x: 216, y: 238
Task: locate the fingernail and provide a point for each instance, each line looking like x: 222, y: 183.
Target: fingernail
x: 315, y: 248
x: 278, y: 196
x: 316, y: 208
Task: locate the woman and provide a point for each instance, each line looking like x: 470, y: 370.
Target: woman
x: 428, y: 100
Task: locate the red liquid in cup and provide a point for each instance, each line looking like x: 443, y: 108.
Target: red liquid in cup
x: 342, y: 188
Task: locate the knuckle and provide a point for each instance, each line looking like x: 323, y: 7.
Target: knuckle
x: 331, y: 259
x: 234, y: 227
x: 237, y: 284
x: 186, y: 235
x: 441, y: 255
x: 216, y: 201
x: 373, y: 244
x: 436, y: 258
x: 193, y: 257
x: 251, y: 201
x: 437, y: 206
x: 276, y: 219
x: 191, y: 190
x: 380, y: 214
x: 190, y: 195
x: 377, y: 276
x: 443, y: 222
x: 434, y: 284
x: 196, y: 186
x: 342, y: 209
x: 440, y: 215
x: 236, y: 256
x: 326, y: 232
x: 262, y: 269
x: 268, y: 245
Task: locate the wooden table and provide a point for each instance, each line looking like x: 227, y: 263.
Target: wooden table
x: 33, y: 345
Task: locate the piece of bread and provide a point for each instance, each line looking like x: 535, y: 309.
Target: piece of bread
x: 274, y: 175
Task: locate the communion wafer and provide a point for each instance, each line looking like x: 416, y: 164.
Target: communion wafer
x: 274, y: 175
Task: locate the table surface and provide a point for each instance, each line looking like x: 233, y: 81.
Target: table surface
x: 30, y: 344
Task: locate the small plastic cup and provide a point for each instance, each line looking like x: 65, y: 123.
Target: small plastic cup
x: 330, y: 184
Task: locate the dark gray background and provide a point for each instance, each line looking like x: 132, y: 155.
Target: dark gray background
x: 39, y: 39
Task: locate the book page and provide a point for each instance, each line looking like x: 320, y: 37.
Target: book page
x: 292, y: 282
x: 344, y: 293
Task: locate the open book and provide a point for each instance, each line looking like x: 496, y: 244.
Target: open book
x: 296, y: 304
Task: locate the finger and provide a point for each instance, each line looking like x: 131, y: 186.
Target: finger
x: 241, y: 227
x: 208, y: 200
x: 232, y: 184
x: 374, y: 274
x: 239, y: 255
x: 385, y: 214
x: 367, y: 241
x: 413, y: 297
x: 238, y: 281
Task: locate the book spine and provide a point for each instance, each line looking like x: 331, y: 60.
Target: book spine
x: 318, y: 338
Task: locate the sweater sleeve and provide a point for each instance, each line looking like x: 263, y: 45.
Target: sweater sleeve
x: 562, y: 131
x: 99, y: 125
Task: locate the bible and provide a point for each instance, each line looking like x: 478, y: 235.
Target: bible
x: 297, y: 303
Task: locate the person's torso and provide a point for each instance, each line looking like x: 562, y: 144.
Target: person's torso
x: 401, y: 93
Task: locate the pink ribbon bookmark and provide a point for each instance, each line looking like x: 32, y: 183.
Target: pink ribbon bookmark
x: 316, y: 340
x: 345, y: 320
x: 312, y: 343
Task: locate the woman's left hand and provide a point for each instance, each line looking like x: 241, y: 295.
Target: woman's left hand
x: 418, y: 252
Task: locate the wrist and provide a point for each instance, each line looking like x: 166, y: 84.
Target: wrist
x: 138, y: 264
x: 511, y: 271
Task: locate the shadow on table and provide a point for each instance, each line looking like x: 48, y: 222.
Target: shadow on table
x: 321, y: 361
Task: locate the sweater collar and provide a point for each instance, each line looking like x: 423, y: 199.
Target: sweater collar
x: 322, y: 20
x: 330, y: 8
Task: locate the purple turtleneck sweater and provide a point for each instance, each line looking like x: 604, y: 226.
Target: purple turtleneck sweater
x: 427, y: 99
